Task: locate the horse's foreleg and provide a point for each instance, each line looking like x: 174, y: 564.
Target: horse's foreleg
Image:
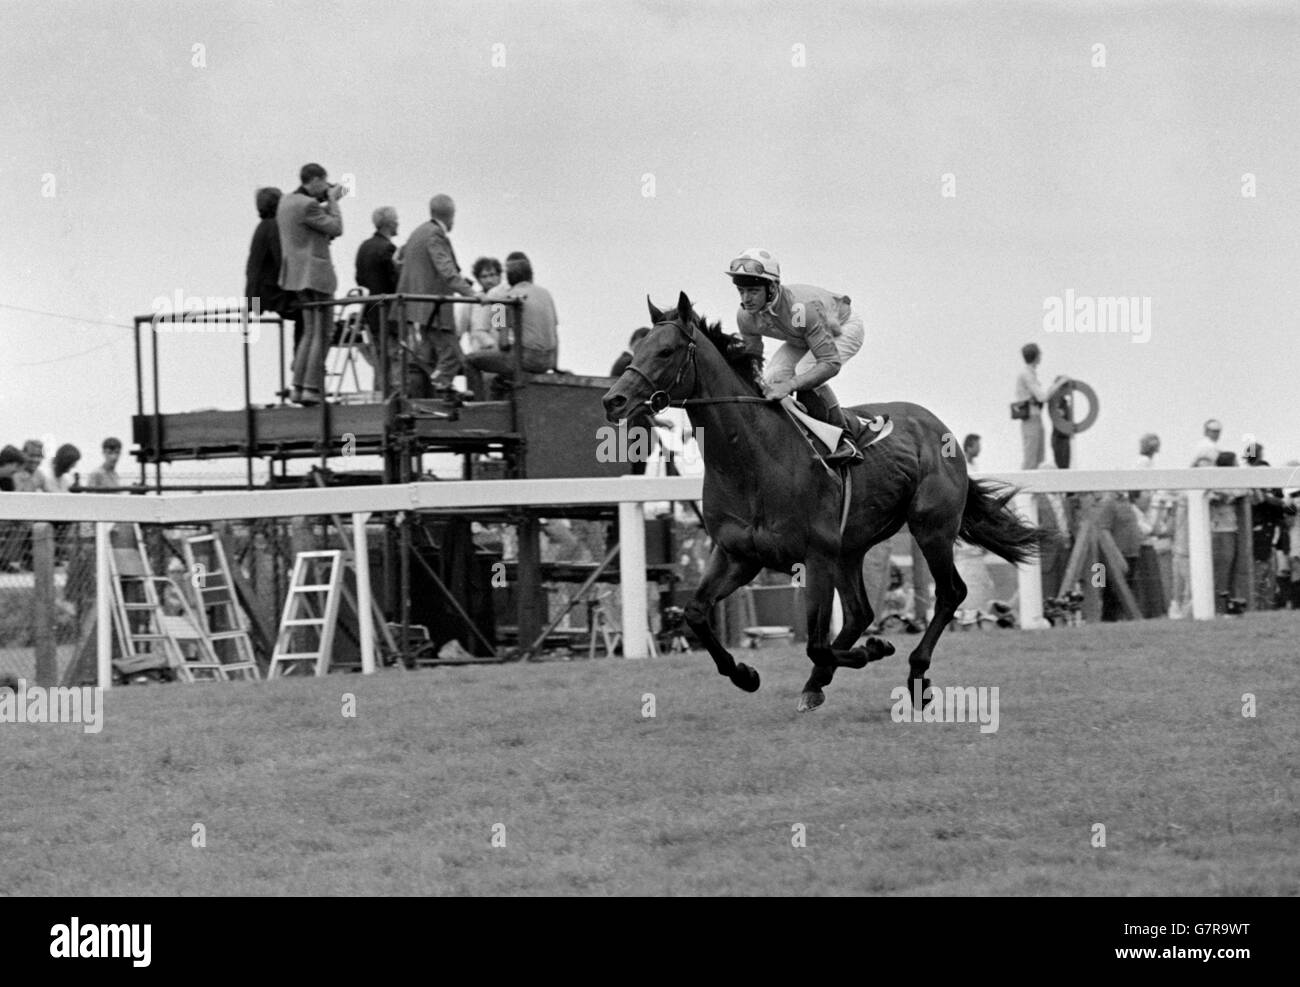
x: 857, y: 618
x: 819, y: 596
x: 723, y: 575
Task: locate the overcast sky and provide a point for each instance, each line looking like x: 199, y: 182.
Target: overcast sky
x: 634, y: 148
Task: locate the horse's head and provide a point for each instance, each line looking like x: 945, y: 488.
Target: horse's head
x: 663, y: 365
x: 669, y: 363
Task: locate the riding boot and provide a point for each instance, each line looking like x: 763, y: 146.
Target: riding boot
x: 847, y: 451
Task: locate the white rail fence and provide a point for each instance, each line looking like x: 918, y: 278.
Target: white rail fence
x: 630, y: 493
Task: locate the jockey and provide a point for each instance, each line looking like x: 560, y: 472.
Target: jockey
x: 818, y: 329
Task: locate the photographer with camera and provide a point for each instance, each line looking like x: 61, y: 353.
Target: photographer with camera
x: 308, y: 219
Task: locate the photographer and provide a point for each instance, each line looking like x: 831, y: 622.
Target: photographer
x: 308, y: 219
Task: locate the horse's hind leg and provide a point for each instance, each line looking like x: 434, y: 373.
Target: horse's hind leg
x: 723, y: 575
x: 949, y: 591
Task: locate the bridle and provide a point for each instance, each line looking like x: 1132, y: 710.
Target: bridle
x: 661, y: 399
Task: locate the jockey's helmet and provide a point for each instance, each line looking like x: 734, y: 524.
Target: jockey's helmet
x: 753, y: 267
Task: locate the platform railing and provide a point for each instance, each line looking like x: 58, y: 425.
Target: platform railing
x: 247, y: 317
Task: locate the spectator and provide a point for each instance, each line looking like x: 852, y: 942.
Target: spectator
x: 11, y: 460
x: 1148, y: 446
x: 429, y: 267
x: 625, y: 358
x: 476, y: 321
x: 537, y: 325
x: 262, y: 272
x: 1208, y: 447
x: 1056, y: 515
x: 12, y: 533
x: 105, y: 479
x: 1269, y: 509
x: 65, y: 458
x: 377, y: 273
x: 308, y: 218
x: 1028, y: 407
x: 1118, y: 517
x: 1152, y: 600
x: 1223, y: 537
x: 971, y: 447
x: 29, y: 477
x: 1289, y: 571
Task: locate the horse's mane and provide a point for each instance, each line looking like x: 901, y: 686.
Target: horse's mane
x: 748, y: 367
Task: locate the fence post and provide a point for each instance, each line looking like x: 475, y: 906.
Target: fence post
x: 47, y: 666
x: 1200, y: 558
x: 365, y: 615
x: 631, y: 570
x: 103, y: 605
x: 1029, y: 575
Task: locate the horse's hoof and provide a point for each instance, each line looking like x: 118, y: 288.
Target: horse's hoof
x: 745, y: 678
x: 854, y: 658
x: 810, y: 701
x: 925, y: 697
x: 878, y: 648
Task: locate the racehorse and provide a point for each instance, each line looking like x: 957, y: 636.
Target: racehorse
x: 770, y: 502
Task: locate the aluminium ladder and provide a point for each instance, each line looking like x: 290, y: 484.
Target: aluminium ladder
x: 311, y: 610
x: 220, y: 616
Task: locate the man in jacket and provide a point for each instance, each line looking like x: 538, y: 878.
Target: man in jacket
x: 308, y: 219
x: 429, y: 267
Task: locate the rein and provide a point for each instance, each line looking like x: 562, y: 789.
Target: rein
x: 660, y: 399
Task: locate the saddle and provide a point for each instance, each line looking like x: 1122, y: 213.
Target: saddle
x: 837, y: 445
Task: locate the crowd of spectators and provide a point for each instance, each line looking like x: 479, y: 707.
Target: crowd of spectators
x: 289, y: 269
x: 21, y: 471
x: 1149, y: 529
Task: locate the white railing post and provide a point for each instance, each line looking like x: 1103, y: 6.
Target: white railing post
x: 365, y: 614
x: 1029, y: 575
x: 1200, y: 556
x: 631, y: 570
x: 103, y: 606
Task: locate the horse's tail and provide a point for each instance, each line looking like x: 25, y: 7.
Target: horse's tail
x: 990, y: 522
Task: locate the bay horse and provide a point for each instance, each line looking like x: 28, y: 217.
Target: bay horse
x: 769, y: 501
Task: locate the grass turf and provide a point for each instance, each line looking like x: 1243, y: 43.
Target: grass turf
x: 1138, y: 727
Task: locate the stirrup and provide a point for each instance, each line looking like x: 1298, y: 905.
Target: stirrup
x: 846, y: 452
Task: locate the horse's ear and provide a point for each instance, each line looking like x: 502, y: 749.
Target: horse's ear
x: 684, y: 310
x: 656, y: 316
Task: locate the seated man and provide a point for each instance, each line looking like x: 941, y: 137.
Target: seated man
x: 537, y: 325
x: 474, y: 322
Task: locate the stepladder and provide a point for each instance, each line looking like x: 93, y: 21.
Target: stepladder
x: 219, y: 613
x: 607, y: 621
x: 156, y: 629
x: 305, y: 641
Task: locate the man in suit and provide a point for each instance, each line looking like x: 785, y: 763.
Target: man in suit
x: 308, y: 219
x: 377, y: 273
x: 429, y: 267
